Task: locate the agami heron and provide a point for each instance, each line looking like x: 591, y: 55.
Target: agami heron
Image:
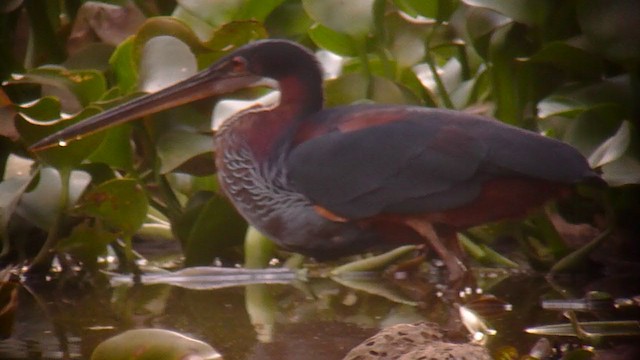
x: 333, y: 182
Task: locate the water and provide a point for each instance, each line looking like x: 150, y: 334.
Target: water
x: 314, y: 319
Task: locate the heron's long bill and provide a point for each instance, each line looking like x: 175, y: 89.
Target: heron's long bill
x: 207, y: 83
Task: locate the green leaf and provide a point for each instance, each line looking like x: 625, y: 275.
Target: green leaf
x: 569, y: 58
x: 230, y: 36
x: 209, y: 225
x: 116, y: 150
x: 624, y: 171
x: 354, y: 17
x: 153, y: 344
x: 613, y: 148
x: 257, y: 9
x: 10, y: 192
x: 41, y: 204
x: 164, y: 61
x: 414, y: 8
x: 75, y: 88
x: 177, y: 147
x: 124, y: 66
x: 333, y: 41
x: 32, y: 126
x: 560, y: 106
x: 530, y: 12
x: 120, y: 203
x: 352, y: 88
x: 213, y: 12
x: 87, y: 242
x: 611, y: 27
x: 166, y: 26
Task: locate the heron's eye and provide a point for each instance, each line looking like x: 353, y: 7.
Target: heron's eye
x: 238, y: 64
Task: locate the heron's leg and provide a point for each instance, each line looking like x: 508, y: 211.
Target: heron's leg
x: 451, y: 259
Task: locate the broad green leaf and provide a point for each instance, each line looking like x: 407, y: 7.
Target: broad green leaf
x: 75, y: 88
x: 167, y: 26
x: 120, y: 203
x: 333, y: 41
x: 353, y: 87
x: 530, y: 12
x: 569, y: 58
x: 613, y: 148
x: 116, y: 150
x: 414, y: 8
x: 124, y: 66
x: 406, y: 40
x: 289, y: 21
x: 39, y: 120
x: 624, y: 171
x: 177, y: 147
x: 612, y: 28
x: 229, y: 37
x: 354, y: 17
x: 560, y: 106
x: 87, y: 242
x: 201, y: 28
x: 479, y: 25
x: 10, y: 192
x: 209, y: 225
x: 164, y: 61
x: 41, y: 205
x: 155, y: 344
x: 257, y: 9
x: 213, y: 12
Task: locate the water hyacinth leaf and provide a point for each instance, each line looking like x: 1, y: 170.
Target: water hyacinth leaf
x: 209, y: 225
x: 624, y: 171
x: 481, y: 22
x: 406, y: 40
x: 257, y: 9
x: 75, y: 88
x: 124, y: 67
x: 116, y: 150
x: 177, y: 147
x: 560, y: 106
x: 479, y: 27
x: 200, y: 27
x: 213, y: 12
x: 235, y: 34
x: 529, y: 12
x: 354, y: 18
x: 10, y: 192
x: 156, y: 344
x: 612, y: 28
x: 613, y: 148
x: 414, y: 8
x: 36, y: 122
x: 87, y: 242
x: 354, y: 87
x: 158, y: 71
x: 107, y: 23
x: 120, y: 203
x: 289, y: 21
x: 41, y: 204
x: 166, y: 26
x: 333, y: 41
x: 569, y: 58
